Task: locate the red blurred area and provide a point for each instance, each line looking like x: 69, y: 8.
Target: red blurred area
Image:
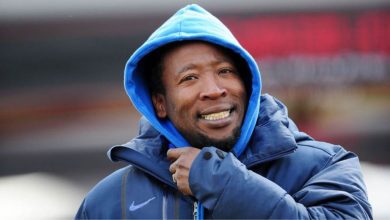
x: 313, y: 33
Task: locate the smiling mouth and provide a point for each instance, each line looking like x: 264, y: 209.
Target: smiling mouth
x: 217, y: 115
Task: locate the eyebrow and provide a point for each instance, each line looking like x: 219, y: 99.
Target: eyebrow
x: 193, y: 66
x: 187, y: 67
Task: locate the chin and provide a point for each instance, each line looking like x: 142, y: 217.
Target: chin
x: 226, y: 143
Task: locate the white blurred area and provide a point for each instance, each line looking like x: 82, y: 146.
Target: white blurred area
x: 378, y: 181
x: 38, y: 196
x: 44, y: 196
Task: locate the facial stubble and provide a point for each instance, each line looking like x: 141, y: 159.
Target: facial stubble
x: 200, y: 140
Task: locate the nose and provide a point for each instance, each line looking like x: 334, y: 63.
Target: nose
x: 211, y: 89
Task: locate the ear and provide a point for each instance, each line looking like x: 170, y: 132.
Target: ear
x: 159, y: 105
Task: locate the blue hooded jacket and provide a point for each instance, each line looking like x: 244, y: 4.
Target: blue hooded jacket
x: 273, y: 171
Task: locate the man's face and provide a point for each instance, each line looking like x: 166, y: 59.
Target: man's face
x: 205, y: 96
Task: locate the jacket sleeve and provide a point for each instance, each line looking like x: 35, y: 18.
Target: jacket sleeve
x: 81, y: 213
x: 229, y: 190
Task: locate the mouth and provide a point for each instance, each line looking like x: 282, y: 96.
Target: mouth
x: 217, y: 115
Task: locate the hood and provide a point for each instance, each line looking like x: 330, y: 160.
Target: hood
x: 190, y: 23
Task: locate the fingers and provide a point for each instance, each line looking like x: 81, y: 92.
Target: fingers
x: 182, y: 182
x: 178, y: 162
x: 174, y: 178
x: 175, y: 153
x: 173, y: 167
x: 182, y: 159
x: 180, y: 178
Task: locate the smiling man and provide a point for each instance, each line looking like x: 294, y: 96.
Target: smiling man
x: 211, y: 146
x: 204, y: 95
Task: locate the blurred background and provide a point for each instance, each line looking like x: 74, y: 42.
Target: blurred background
x: 62, y: 102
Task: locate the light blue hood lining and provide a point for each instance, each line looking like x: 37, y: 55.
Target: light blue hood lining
x: 190, y: 23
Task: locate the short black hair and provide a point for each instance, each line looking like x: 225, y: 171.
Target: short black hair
x: 152, y: 66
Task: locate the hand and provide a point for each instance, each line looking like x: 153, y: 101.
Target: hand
x: 182, y: 159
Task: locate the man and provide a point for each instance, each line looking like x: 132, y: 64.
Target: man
x: 211, y: 146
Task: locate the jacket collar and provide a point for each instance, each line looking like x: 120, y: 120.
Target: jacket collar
x: 147, y: 152
x: 274, y: 135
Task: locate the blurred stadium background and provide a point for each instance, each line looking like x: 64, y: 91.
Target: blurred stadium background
x: 62, y: 103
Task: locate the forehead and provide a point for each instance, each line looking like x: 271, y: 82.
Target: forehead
x: 193, y: 50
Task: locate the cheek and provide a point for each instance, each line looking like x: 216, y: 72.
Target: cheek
x: 238, y: 89
x: 179, y: 104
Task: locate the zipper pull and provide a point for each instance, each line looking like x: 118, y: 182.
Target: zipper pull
x: 195, y: 213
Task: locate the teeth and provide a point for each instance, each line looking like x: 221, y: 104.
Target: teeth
x: 216, y: 116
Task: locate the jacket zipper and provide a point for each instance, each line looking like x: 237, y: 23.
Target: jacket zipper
x: 195, y: 213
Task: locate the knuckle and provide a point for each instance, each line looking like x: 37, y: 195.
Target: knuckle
x: 180, y: 162
x: 179, y: 174
x: 172, y: 168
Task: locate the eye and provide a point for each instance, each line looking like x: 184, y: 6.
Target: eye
x: 188, y: 78
x: 227, y: 71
